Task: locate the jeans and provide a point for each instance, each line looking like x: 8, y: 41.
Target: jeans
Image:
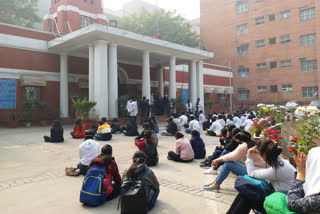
x: 236, y: 167
x: 153, y: 195
x: 167, y: 133
x: 216, y: 155
x: 103, y: 137
x: 83, y: 168
x: 188, y: 130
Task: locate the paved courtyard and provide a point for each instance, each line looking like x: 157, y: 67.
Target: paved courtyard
x: 33, y: 181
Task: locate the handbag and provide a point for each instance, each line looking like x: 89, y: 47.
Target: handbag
x: 252, y: 188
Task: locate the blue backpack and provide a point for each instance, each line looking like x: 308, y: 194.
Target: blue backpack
x: 92, y: 187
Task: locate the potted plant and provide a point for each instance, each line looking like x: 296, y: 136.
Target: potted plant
x: 12, y: 122
x: 42, y: 106
x: 27, y: 109
x: 82, y: 108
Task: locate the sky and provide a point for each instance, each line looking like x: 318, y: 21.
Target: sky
x: 189, y: 9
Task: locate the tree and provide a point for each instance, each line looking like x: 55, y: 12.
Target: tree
x: 19, y: 12
x: 170, y: 25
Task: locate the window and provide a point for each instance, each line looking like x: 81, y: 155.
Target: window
x: 261, y: 66
x: 273, y: 88
x: 262, y: 89
x: 307, y: 14
x: 32, y: 93
x: 308, y: 40
x: 273, y: 65
x: 272, y: 41
x: 272, y: 18
x: 287, y: 88
x: 243, y: 94
x: 243, y: 50
x: 285, y: 39
x: 259, y: 20
x: 243, y: 72
x: 242, y: 29
x: 285, y: 14
x: 310, y: 91
x: 85, y: 21
x: 309, y: 66
x: 260, y: 43
x: 242, y: 7
x: 285, y: 63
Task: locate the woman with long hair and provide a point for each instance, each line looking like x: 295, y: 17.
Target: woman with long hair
x: 56, y: 133
x: 139, y: 171
x: 104, y: 131
x: 149, y: 147
x: 280, y: 173
x: 113, y: 177
x: 79, y: 130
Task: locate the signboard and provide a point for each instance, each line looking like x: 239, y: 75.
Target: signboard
x: 8, y: 94
x: 184, y: 95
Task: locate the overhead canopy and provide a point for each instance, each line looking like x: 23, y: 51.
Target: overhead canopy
x: 27, y: 80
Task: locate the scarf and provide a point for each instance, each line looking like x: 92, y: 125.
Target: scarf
x: 312, y: 183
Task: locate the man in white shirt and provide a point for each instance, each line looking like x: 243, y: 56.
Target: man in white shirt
x: 248, y: 124
x: 221, y: 121
x: 193, y: 125
x: 133, y: 109
x: 237, y: 121
x: 243, y: 118
x: 183, y: 120
x: 215, y: 129
x: 202, y: 118
x: 188, y: 107
x: 176, y: 120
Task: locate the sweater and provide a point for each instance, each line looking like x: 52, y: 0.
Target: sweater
x: 56, y: 134
x: 79, y: 133
x: 240, y: 154
x: 280, y: 178
x: 114, y: 171
x: 88, y: 150
x: 198, y: 147
x: 184, y: 149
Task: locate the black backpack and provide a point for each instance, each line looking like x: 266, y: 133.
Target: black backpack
x: 134, y: 195
x: 152, y: 153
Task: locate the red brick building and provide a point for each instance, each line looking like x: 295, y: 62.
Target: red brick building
x: 271, y: 45
x: 55, y: 65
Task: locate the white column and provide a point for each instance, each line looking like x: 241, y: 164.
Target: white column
x: 64, y: 94
x: 113, y: 81
x: 91, y: 72
x: 200, y: 90
x: 160, y: 82
x: 172, y: 78
x: 146, y: 86
x: 101, y: 78
x: 192, y: 82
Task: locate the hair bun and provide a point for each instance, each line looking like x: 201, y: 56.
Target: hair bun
x: 277, y: 149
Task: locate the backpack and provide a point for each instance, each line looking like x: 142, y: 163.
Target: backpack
x: 134, y: 195
x: 252, y: 188
x: 152, y: 153
x: 92, y: 187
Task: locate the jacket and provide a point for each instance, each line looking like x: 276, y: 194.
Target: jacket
x: 198, y: 147
x: 141, y: 144
x: 79, y: 133
x: 172, y: 128
x: 56, y: 134
x: 184, y: 149
x: 88, y: 150
x: 114, y: 171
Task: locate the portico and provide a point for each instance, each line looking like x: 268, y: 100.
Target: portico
x: 106, y: 47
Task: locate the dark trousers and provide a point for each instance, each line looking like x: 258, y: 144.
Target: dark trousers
x: 134, y: 118
x: 242, y: 205
x: 83, y: 168
x: 74, y: 137
x: 211, y: 133
x: 115, y: 192
x: 50, y: 140
x: 173, y: 156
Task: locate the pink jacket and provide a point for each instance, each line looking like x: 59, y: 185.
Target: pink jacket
x: 184, y: 149
x: 240, y: 153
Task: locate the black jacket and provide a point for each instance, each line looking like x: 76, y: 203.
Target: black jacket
x: 56, y: 134
x: 172, y: 128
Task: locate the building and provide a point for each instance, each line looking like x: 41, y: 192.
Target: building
x: 271, y: 46
x: 79, y: 55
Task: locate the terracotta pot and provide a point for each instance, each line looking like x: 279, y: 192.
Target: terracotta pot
x: 89, y: 123
x: 12, y: 124
x: 28, y: 124
x: 43, y: 122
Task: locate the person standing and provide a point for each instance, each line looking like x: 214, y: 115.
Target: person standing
x: 143, y: 106
x: 198, y: 108
x: 171, y: 107
x: 166, y: 104
x: 188, y: 107
x: 133, y: 110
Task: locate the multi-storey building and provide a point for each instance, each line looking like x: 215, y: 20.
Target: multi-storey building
x: 271, y: 45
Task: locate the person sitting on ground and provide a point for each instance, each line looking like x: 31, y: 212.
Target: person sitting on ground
x: 193, y: 125
x: 248, y: 124
x: 230, y: 120
x: 88, y: 150
x: 148, y: 127
x: 171, y: 128
x: 237, y: 121
x: 104, y: 131
x: 131, y: 129
x: 304, y: 192
x: 215, y: 129
x: 79, y: 130
x: 139, y: 171
x: 149, y: 147
x: 207, y: 123
x: 243, y: 117
x: 202, y: 118
x: 113, y: 178
x: 183, y: 120
x: 155, y: 125
x: 280, y: 174
x: 221, y: 121
x: 234, y: 161
x: 176, y: 120
x: 115, y: 126
x: 56, y: 133
x: 198, y: 146
x: 184, y: 151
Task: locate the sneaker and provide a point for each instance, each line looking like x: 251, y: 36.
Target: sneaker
x: 205, y: 161
x: 214, y: 189
x: 210, y: 171
x: 205, y: 165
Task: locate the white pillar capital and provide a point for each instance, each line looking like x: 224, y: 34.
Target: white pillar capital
x: 101, y: 42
